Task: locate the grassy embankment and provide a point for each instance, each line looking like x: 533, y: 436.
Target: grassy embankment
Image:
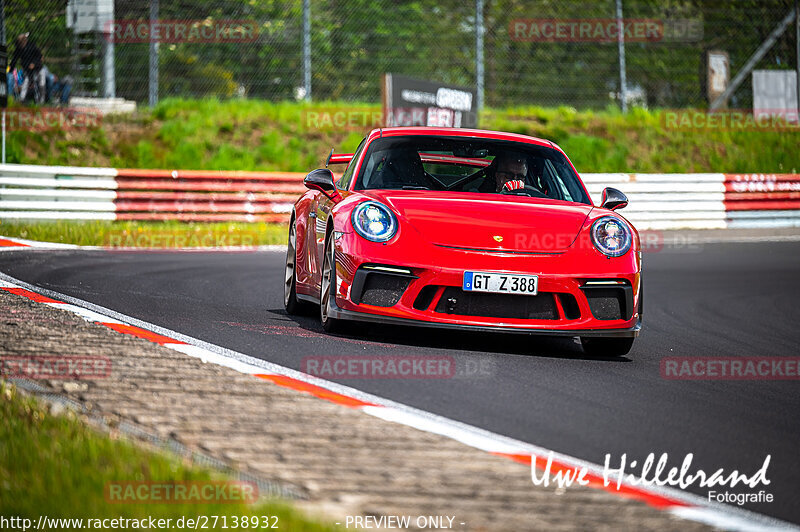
x: 260, y: 135
x: 289, y: 136
x: 158, y: 235
x: 57, y: 466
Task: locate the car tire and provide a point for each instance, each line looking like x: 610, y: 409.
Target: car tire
x: 293, y: 306
x: 606, y: 347
x: 327, y: 288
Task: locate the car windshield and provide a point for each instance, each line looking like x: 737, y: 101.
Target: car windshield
x: 469, y: 165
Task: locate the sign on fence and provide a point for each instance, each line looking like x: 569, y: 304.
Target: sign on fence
x: 89, y: 15
x: 415, y: 102
x: 719, y: 74
x: 775, y: 94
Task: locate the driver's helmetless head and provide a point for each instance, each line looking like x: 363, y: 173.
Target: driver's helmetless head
x: 510, y: 167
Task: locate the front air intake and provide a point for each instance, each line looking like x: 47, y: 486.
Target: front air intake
x: 456, y: 301
x: 425, y: 297
x: 383, y: 290
x: 382, y: 286
x: 609, y: 300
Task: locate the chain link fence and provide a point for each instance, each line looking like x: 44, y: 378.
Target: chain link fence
x: 544, y: 52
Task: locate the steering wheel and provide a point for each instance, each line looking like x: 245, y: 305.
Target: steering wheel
x: 528, y: 190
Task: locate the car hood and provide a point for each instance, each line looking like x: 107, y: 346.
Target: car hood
x: 487, y: 221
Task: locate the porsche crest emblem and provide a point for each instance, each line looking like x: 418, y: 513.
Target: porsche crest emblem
x: 498, y: 238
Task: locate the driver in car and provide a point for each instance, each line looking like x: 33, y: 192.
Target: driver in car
x: 510, y: 172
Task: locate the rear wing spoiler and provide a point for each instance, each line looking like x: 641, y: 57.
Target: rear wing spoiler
x: 338, y: 158
x: 453, y: 159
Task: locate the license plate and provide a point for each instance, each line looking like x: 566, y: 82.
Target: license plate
x: 500, y: 283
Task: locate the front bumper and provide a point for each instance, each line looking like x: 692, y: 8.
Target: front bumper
x: 563, y: 306
x: 338, y: 313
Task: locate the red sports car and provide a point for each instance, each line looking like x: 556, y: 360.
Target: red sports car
x: 465, y: 229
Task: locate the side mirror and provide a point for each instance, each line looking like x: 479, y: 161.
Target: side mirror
x: 613, y: 199
x: 322, y: 180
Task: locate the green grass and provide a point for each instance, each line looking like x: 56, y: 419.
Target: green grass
x: 148, y: 234
x: 289, y: 136
x: 640, y: 141
x: 260, y: 135
x: 59, y: 467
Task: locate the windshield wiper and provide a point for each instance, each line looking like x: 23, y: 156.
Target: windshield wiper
x: 414, y: 187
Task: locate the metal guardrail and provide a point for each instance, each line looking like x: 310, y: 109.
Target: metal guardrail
x: 657, y: 201
x: 762, y: 200
x: 62, y: 192
x: 666, y: 201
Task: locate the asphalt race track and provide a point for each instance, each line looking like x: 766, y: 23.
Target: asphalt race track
x: 724, y: 299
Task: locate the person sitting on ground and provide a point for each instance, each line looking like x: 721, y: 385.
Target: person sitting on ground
x: 58, y: 88
x: 14, y: 79
x: 30, y: 57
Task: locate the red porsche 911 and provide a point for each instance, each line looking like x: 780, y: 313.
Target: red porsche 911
x: 465, y: 229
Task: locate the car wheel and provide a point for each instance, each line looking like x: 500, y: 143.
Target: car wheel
x: 328, y: 288
x: 606, y: 347
x: 292, y: 305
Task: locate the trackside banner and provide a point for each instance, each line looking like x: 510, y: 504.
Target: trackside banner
x: 415, y: 102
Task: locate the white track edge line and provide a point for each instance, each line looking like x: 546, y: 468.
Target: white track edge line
x: 700, y: 510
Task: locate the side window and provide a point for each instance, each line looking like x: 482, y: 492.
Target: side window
x: 344, y: 181
x: 552, y: 172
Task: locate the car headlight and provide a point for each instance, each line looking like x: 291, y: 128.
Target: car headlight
x: 374, y: 221
x: 611, y: 236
